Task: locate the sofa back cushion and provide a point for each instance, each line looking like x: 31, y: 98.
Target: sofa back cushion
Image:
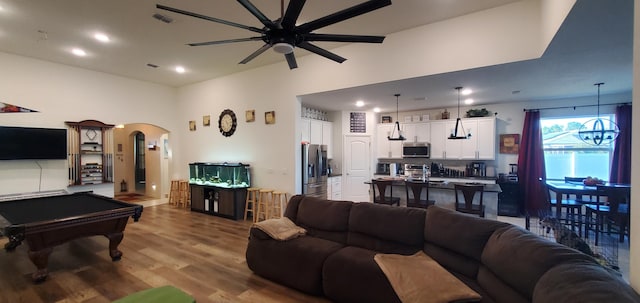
x: 519, y: 258
x: 385, y: 228
x: 323, y: 218
x: 456, y: 240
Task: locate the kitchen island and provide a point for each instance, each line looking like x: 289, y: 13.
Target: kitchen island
x: 441, y: 190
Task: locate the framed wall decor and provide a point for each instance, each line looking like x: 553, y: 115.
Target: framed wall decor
x: 206, y: 120
x: 192, y: 125
x: 509, y: 143
x: 270, y: 117
x: 250, y: 115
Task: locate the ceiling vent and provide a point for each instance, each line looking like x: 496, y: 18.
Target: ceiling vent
x: 163, y: 18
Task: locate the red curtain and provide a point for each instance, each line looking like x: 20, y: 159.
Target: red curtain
x: 531, y: 164
x: 620, y: 168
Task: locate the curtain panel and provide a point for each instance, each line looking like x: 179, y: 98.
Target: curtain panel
x: 531, y: 164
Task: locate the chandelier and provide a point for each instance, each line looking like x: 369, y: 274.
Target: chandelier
x: 598, y: 131
x: 459, y: 132
x: 400, y: 137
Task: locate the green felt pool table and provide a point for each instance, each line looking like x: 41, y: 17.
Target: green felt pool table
x: 45, y: 222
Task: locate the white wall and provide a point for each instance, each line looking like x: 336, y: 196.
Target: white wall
x: 63, y: 93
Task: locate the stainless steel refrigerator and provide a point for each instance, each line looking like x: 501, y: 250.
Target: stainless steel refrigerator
x: 314, y: 170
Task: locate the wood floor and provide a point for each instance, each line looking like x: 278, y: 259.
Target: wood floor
x: 200, y: 254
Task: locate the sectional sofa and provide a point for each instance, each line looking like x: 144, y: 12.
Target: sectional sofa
x: 500, y: 261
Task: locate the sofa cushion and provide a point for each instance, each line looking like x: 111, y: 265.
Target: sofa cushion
x: 296, y: 263
x: 352, y: 275
x: 497, y: 289
x: 324, y: 218
x: 456, y: 240
x: 385, y: 228
x: 582, y: 282
x: 529, y: 256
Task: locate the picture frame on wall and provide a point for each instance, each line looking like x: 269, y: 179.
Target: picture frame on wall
x: 250, y: 115
x: 192, y: 125
x: 270, y: 117
x: 509, y: 143
x: 206, y: 120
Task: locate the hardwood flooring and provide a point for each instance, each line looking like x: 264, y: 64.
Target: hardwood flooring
x: 200, y: 254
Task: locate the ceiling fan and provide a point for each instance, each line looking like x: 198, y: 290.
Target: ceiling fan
x: 283, y: 35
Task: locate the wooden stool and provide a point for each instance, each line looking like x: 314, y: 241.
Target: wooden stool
x: 174, y: 193
x: 185, y: 194
x: 265, y: 200
x: 252, y: 199
x: 279, y: 203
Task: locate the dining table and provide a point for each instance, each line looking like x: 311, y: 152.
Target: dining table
x: 578, y: 189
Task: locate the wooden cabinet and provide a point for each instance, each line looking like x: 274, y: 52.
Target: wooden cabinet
x: 218, y: 201
x: 334, y: 188
x: 90, y: 152
x: 480, y: 146
x: 385, y: 148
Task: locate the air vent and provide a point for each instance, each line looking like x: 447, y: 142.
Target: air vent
x: 163, y: 18
x: 152, y: 65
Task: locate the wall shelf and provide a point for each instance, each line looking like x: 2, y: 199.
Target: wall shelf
x: 90, y: 152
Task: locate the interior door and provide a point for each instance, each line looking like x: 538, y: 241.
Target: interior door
x: 357, y: 168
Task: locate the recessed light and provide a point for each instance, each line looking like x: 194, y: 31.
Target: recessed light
x: 101, y: 37
x: 79, y: 52
x: 180, y: 69
x: 376, y: 109
x: 466, y: 92
x: 360, y: 103
x: 468, y: 101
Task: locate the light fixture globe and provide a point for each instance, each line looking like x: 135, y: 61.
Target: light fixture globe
x: 283, y: 48
x: 598, y: 131
x: 459, y: 133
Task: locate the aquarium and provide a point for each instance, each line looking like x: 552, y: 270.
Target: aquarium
x: 227, y: 175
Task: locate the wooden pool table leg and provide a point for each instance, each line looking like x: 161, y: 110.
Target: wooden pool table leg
x: 40, y: 259
x: 114, y: 241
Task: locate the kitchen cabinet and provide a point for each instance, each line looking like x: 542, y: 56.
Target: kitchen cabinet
x: 480, y: 146
x: 334, y: 188
x: 317, y: 132
x: 385, y: 148
x: 417, y: 132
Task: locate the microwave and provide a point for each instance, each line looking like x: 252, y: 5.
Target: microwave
x: 416, y: 150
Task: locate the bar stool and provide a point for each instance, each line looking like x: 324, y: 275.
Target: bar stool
x: 174, y: 193
x: 252, y: 199
x: 265, y: 200
x: 279, y: 203
x: 185, y: 194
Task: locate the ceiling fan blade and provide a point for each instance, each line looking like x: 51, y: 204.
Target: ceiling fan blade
x: 321, y: 51
x: 257, y: 13
x: 291, y: 60
x: 225, y: 41
x: 293, y: 12
x: 343, y: 38
x: 256, y: 53
x: 225, y: 22
x: 342, y: 15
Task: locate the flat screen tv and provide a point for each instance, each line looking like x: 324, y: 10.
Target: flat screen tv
x: 20, y: 143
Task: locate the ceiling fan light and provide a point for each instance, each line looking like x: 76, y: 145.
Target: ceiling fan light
x: 283, y: 48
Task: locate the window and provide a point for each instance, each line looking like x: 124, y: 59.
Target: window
x: 565, y: 155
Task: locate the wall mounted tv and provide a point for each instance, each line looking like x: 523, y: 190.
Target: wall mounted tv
x: 18, y: 143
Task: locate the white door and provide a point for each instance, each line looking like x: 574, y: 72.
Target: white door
x: 357, y: 169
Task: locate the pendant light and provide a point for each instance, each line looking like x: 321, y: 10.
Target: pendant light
x: 459, y: 132
x: 400, y: 137
x: 599, y: 131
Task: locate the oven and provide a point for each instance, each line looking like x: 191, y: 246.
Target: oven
x: 416, y: 150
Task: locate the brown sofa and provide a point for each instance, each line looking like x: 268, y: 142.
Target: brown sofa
x: 502, y: 262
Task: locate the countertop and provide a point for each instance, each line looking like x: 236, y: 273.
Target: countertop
x: 437, y: 183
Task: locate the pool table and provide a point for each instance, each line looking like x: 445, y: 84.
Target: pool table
x: 45, y: 222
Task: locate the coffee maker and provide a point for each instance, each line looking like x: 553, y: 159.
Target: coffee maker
x: 477, y: 169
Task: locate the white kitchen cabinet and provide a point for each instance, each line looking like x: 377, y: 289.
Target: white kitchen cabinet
x: 305, y: 130
x: 417, y: 132
x: 327, y: 137
x: 384, y: 147
x: 317, y: 132
x: 334, y: 188
x: 480, y: 146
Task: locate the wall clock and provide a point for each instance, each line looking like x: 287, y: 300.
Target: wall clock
x: 227, y: 122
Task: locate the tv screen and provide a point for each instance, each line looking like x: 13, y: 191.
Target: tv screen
x: 17, y: 143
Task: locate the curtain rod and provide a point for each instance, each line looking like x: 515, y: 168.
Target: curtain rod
x: 574, y: 107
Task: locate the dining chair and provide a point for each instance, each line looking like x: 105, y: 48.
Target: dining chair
x: 380, y: 192
x: 414, y: 192
x: 614, y: 212
x: 570, y: 210
x: 584, y: 199
x: 469, y: 192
